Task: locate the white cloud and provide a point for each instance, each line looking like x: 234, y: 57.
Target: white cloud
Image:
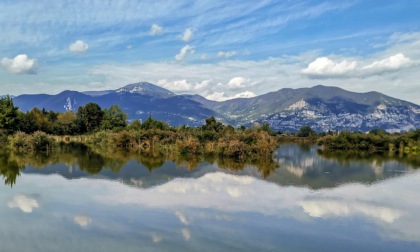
x: 156, y: 29
x: 220, y: 96
x: 187, y: 35
x: 184, y: 52
x: 237, y: 82
x: 394, y: 62
x: 274, y: 73
x: 82, y: 220
x: 226, y: 55
x: 25, y: 203
x: 183, y: 85
x: 325, y: 67
x: 79, y: 46
x: 21, y: 64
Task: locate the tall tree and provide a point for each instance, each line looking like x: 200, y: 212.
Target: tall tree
x: 305, y: 131
x: 8, y: 115
x: 212, y: 125
x: 114, y: 117
x: 89, y: 117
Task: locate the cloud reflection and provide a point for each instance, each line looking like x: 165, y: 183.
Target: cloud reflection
x: 329, y: 208
x: 390, y: 205
x: 82, y: 220
x: 182, y: 217
x: 25, y: 203
x: 156, y: 238
x: 186, y: 233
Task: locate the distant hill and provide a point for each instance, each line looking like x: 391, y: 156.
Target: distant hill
x: 323, y: 108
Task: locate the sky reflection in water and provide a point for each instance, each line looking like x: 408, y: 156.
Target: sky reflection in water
x: 215, y: 211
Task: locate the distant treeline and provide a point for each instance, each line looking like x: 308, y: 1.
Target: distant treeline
x: 375, y: 140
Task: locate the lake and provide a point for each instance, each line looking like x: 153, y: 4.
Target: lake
x: 304, y: 199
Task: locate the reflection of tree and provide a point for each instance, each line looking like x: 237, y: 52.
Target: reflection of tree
x: 188, y: 161
x: 91, y: 162
x: 151, y: 159
x: 230, y: 164
x: 9, y: 169
x: 265, y: 166
x: 94, y: 159
x: 347, y: 157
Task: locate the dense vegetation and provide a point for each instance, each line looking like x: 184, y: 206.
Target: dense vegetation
x: 39, y: 130
x: 375, y: 140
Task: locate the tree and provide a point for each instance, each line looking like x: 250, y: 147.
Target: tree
x: 39, y: 117
x: 305, y: 131
x: 8, y: 115
x: 113, y: 117
x: 134, y: 125
x: 151, y: 123
x: 212, y: 125
x: 66, y: 123
x: 89, y: 117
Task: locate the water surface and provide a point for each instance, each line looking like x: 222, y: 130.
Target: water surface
x: 305, y: 200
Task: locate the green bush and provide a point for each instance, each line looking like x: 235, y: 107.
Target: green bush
x: 41, y: 141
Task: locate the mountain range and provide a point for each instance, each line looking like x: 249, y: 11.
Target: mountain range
x: 321, y: 107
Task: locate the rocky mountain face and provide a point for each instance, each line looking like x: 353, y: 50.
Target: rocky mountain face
x: 323, y: 108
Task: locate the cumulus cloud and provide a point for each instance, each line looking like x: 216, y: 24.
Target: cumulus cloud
x: 21, y: 64
x: 325, y: 67
x: 275, y: 73
x: 394, y: 62
x: 182, y: 85
x: 25, y: 203
x: 237, y: 82
x: 156, y: 29
x: 82, y: 220
x: 79, y: 46
x: 184, y: 52
x: 226, y: 55
x: 187, y: 35
x: 220, y: 96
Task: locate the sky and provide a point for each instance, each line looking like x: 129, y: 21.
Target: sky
x: 218, y: 49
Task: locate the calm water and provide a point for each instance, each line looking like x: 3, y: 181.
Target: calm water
x: 306, y: 200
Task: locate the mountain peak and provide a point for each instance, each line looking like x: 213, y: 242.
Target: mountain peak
x: 144, y: 88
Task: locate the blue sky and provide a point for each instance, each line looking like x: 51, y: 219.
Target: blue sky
x: 219, y: 49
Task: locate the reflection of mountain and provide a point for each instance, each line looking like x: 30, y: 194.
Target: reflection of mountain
x: 297, y: 165
x: 303, y: 165
x: 132, y: 173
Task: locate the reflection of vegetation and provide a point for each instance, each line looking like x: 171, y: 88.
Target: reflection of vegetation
x: 408, y: 142
x: 9, y: 169
x: 94, y: 159
x: 347, y: 157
